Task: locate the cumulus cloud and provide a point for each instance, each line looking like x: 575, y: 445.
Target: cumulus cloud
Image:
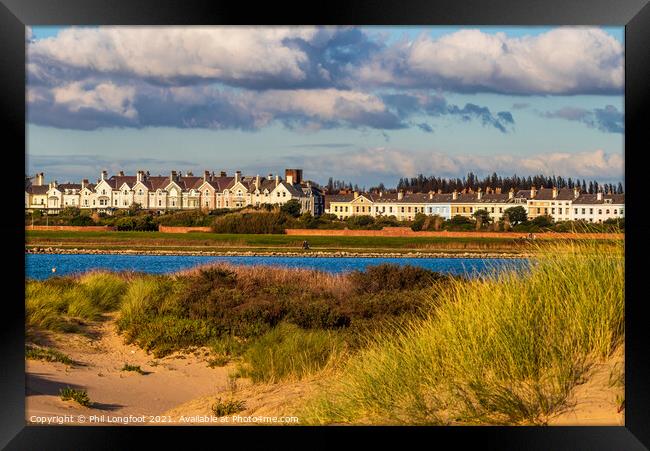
x: 608, y: 119
x: 105, y: 104
x: 385, y: 162
x: 95, y: 104
x: 237, y: 54
x: 560, y: 61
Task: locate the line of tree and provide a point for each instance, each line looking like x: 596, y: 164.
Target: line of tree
x: 423, y: 183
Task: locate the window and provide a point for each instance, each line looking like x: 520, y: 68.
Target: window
x: 402, y: 209
x: 553, y: 210
x: 390, y: 209
x: 600, y: 211
x: 591, y: 211
x: 607, y: 211
x: 546, y: 211
x: 575, y: 211
x: 126, y: 192
x: 492, y: 209
x: 357, y: 209
x: 207, y: 193
x: 140, y: 192
x: 614, y: 211
x: 583, y: 211
x: 159, y: 203
x: 346, y: 209
x: 409, y: 209
x: 500, y: 209
x: 336, y: 208
x: 559, y: 210
x: 103, y: 191
x: 471, y: 209
x: 115, y: 203
x: 284, y: 194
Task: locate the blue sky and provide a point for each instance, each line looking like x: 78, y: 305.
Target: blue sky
x: 367, y: 105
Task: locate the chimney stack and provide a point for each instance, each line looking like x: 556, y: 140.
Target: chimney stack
x: 554, y: 192
x: 277, y: 179
x: 576, y: 192
x: 430, y: 194
x: 172, y: 176
x: 454, y: 195
x: 381, y: 193
x: 104, y: 175
x: 237, y: 176
x: 39, y: 179
x: 400, y: 195
x: 533, y: 192
x: 206, y: 175
x: 511, y: 193
x: 138, y: 176
x: 439, y: 191
x: 257, y: 181
x: 497, y: 190
x: 479, y: 194
x: 121, y: 173
x: 599, y: 195
x: 223, y: 174
x: 84, y: 182
x: 356, y: 194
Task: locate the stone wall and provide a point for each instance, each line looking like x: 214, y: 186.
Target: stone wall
x: 170, y: 229
x: 74, y: 228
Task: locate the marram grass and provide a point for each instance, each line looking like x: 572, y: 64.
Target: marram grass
x: 500, y: 350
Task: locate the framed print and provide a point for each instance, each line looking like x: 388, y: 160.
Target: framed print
x: 374, y: 219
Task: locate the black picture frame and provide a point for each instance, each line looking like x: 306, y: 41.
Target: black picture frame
x: 633, y: 14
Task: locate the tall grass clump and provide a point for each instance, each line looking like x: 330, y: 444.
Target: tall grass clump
x: 60, y: 303
x: 505, y: 349
x: 290, y: 353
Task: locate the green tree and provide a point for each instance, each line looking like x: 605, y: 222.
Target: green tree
x: 516, y: 215
x: 418, y: 222
x: 482, y: 216
x: 291, y: 208
x: 543, y: 221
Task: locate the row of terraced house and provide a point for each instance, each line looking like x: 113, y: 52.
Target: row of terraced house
x: 174, y: 192
x: 563, y: 204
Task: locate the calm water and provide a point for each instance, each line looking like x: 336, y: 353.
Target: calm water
x: 39, y: 266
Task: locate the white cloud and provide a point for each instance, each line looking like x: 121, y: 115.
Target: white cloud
x: 400, y: 163
x: 104, y: 97
x: 561, y: 61
x: 230, y: 53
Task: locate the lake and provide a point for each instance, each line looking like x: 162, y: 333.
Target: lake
x: 39, y: 266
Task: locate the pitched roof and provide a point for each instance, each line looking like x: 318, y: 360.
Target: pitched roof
x: 37, y: 189
x: 592, y: 199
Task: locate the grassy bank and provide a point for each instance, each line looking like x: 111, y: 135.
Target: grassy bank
x: 218, y: 241
x: 506, y: 350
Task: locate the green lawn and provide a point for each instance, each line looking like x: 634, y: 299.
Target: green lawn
x: 158, y: 240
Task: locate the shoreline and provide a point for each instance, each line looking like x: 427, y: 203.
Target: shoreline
x: 317, y: 254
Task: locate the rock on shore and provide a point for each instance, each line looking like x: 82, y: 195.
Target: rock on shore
x: 323, y: 254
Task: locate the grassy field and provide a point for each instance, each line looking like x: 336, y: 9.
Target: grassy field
x: 216, y: 242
